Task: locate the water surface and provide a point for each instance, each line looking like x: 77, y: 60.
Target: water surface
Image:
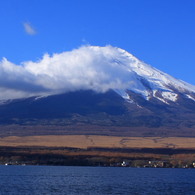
x: 51, y: 180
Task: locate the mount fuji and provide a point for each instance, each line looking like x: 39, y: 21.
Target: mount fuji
x: 97, y: 91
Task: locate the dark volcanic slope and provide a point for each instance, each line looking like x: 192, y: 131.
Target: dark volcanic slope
x: 64, y: 105
x: 83, y: 107
x: 88, y: 112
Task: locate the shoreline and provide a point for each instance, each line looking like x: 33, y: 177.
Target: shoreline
x: 158, y: 158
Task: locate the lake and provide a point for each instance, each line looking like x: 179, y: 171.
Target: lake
x: 58, y: 180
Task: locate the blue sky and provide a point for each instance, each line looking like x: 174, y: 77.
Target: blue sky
x: 159, y: 32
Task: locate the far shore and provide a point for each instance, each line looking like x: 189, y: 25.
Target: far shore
x: 94, y: 150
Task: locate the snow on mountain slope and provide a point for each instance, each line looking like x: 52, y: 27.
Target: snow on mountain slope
x: 148, y: 80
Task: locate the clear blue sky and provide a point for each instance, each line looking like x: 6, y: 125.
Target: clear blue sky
x: 159, y: 32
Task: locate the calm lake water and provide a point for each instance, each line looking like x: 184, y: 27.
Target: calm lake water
x: 50, y: 180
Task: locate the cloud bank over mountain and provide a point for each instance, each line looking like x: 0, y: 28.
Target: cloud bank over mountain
x: 85, y: 68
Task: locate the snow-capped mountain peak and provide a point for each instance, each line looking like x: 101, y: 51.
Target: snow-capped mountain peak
x: 90, y: 68
x: 148, y: 81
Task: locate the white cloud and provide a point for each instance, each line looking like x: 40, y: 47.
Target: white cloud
x: 29, y: 29
x: 88, y: 67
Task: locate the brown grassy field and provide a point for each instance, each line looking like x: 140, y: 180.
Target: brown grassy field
x: 88, y: 141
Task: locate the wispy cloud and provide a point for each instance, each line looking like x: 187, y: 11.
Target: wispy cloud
x: 88, y: 67
x: 85, y: 41
x: 29, y: 29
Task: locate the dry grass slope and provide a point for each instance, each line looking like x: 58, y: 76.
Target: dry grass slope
x: 88, y: 141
